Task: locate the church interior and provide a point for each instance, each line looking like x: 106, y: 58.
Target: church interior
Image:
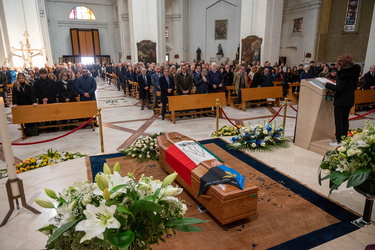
x: 143, y: 33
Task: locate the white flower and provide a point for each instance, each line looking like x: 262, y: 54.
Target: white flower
x: 140, y: 156
x: 236, y: 144
x: 64, y: 214
x: 152, y: 143
x: 171, y: 191
x: 133, y: 155
x: 265, y: 132
x: 263, y: 144
x: 341, y: 149
x: 117, y: 180
x: 151, y: 147
x: 253, y: 145
x: 361, y: 144
x: 148, y: 156
x: 97, y: 220
x: 183, y: 210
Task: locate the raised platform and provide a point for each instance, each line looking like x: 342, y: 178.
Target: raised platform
x: 321, y: 147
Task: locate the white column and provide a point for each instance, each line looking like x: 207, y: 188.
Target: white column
x: 43, y: 30
x: 121, y: 8
x: 263, y: 19
x: 147, y: 22
x: 370, y: 54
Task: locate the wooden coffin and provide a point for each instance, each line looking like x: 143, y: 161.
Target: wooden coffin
x: 225, y: 202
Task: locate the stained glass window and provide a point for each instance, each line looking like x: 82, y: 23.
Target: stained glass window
x: 81, y: 12
x: 351, y: 17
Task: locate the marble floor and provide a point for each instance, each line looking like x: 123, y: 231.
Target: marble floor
x: 123, y: 123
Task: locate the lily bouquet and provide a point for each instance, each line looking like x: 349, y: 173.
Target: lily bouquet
x: 115, y: 213
x: 144, y: 148
x: 353, y: 161
x: 259, y: 137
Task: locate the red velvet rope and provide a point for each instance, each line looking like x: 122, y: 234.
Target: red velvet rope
x: 357, y: 117
x: 278, y: 112
x: 228, y: 118
x: 61, y: 136
x: 293, y: 108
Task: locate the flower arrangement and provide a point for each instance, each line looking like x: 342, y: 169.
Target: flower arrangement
x: 227, y: 131
x: 144, y: 148
x: 42, y: 160
x: 115, y: 213
x: 259, y: 137
x: 353, y: 161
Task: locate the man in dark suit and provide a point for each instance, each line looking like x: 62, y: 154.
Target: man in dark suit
x: 370, y: 78
x: 155, y: 85
x: 45, y: 89
x: 215, y: 78
x: 184, y: 82
x: 144, y: 82
x: 166, y: 85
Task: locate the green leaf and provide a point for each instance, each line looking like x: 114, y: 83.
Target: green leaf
x: 61, y: 230
x: 358, y: 177
x: 184, y: 221
x: 338, y: 177
x: 156, y: 194
x: 155, y: 221
x: 121, y: 240
x: 117, y: 188
x: 123, y: 209
x: 324, y: 165
x: 141, y: 205
x: 187, y: 228
x: 49, y: 227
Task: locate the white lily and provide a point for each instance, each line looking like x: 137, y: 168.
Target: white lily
x: 97, y: 220
x: 64, y: 214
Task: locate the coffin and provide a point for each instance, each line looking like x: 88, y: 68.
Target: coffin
x: 225, y: 202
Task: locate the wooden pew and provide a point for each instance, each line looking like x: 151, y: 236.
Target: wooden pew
x: 194, y: 102
x: 293, y: 97
x: 231, y: 97
x: 252, y: 94
x: 54, y: 112
x: 363, y: 98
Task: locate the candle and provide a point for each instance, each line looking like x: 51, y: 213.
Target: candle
x: 7, y: 148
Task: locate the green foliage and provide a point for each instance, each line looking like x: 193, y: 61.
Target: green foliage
x: 353, y: 161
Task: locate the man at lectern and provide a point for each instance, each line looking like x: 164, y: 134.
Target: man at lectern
x: 346, y: 83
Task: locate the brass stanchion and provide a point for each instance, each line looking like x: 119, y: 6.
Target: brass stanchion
x: 99, y: 115
x: 217, y: 116
x: 284, y: 118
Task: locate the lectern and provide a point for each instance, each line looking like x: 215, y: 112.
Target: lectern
x: 315, y: 120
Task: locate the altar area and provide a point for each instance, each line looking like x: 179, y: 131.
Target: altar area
x: 123, y: 123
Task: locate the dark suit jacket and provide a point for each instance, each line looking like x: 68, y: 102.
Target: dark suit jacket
x: 45, y: 88
x: 164, y: 88
x: 346, y: 84
x: 201, y: 86
x: 184, y: 83
x: 369, y: 80
x: 24, y: 96
x: 215, y: 76
x: 69, y: 92
x: 143, y: 94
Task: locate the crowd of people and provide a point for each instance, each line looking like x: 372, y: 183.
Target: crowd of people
x: 66, y: 81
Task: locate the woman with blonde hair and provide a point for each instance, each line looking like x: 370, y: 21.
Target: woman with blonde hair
x: 52, y: 76
x: 23, y: 92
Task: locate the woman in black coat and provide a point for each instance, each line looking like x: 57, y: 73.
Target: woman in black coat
x: 23, y: 92
x: 66, y: 88
x: 346, y: 83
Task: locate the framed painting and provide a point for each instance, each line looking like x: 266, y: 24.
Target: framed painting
x: 221, y: 29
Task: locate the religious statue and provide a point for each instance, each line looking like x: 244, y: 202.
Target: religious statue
x: 198, y: 54
x: 238, y: 53
x: 220, y: 50
x: 27, y: 53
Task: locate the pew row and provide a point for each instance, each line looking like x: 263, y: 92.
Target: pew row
x: 54, y: 112
x: 193, y: 103
x: 261, y: 95
x: 363, y: 98
x: 293, y: 96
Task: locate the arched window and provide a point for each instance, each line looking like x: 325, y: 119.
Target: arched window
x: 81, y: 12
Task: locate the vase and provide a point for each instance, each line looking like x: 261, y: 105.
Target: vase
x: 368, y: 186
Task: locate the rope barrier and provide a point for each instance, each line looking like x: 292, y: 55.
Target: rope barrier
x: 293, y: 108
x: 360, y: 116
x: 53, y: 139
x: 228, y: 118
x: 278, y: 112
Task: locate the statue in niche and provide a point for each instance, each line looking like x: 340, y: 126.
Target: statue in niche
x: 220, y: 50
x: 238, y: 53
x: 198, y: 54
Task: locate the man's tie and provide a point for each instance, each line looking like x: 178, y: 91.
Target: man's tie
x: 167, y: 78
x: 145, y: 79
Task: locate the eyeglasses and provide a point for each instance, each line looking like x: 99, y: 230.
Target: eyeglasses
x: 84, y: 71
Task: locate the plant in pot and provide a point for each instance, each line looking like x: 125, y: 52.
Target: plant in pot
x: 353, y: 161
